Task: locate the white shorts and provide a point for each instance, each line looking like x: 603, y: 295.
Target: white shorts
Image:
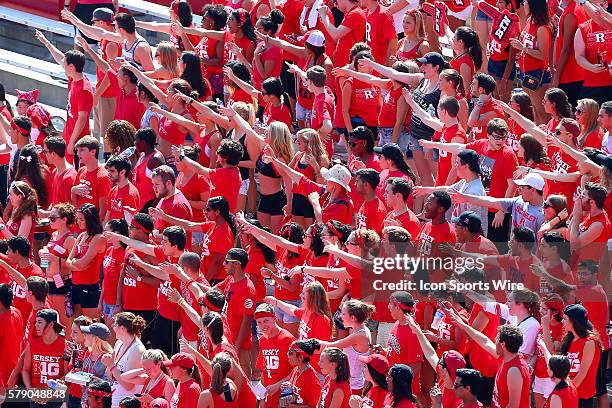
x: 301, y: 113
x: 462, y: 15
x: 544, y: 386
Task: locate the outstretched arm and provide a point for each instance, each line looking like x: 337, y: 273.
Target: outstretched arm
x: 57, y: 55
x: 432, y: 122
x: 362, y: 76
x: 96, y: 33
x: 193, y: 127
x: 528, y: 125
x: 148, y: 83
x: 404, y: 77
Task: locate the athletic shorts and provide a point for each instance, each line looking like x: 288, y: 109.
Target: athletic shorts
x: 301, y: 113
x: 63, y: 291
x: 87, y: 296
x: 543, y: 386
x: 481, y: 16
x: 301, y: 206
x: 272, y: 204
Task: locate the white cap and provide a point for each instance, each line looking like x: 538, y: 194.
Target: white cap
x: 338, y: 174
x: 532, y: 180
x: 315, y: 38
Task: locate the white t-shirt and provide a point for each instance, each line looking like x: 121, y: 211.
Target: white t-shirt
x: 475, y: 188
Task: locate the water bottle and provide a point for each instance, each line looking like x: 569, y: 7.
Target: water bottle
x: 437, y: 319
x: 76, y: 360
x: 44, y: 257
x: 129, y: 152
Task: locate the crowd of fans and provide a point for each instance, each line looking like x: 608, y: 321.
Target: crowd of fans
x: 213, y: 239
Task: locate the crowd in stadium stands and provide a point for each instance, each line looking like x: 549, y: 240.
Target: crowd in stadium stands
x: 251, y: 218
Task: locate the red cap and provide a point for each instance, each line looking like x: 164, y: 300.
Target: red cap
x: 555, y: 302
x: 453, y: 361
x: 377, y: 361
x: 181, y: 360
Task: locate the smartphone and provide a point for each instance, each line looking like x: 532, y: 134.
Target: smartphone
x: 138, y: 395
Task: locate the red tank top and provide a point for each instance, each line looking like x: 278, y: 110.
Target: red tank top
x: 529, y: 39
x: 568, y: 395
x: 46, y: 360
x: 90, y: 275
x: 575, y: 353
x: 142, y: 181
x: 410, y: 54
x: 305, y: 169
x: 598, y: 50
x: 14, y: 226
x: 459, y: 60
x: 171, y: 132
x: 111, y: 91
x: 56, y: 245
x: 501, y: 396
x: 328, y: 391
x: 480, y: 358
x: 207, y: 48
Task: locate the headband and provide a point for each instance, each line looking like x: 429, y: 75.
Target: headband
x: 23, y: 131
x: 208, y: 305
x: 401, y: 305
x: 296, y: 349
x: 174, y: 6
x: 242, y: 15
x: 134, y: 223
x: 99, y: 393
x: 333, y: 229
x: 262, y: 314
x: 31, y: 96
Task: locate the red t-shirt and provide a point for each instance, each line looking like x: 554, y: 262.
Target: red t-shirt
x: 355, y: 21
x: 371, y: 215
x: 46, y: 361
x: 97, y: 180
x: 445, y: 163
x: 186, y: 395
x: 292, y: 10
x: 111, y: 265
x: 19, y: 292
x: 408, y: 220
x: 272, y: 53
x: 598, y: 45
x: 273, y: 363
x: 496, y: 166
x: 129, y: 108
x: 80, y: 99
x: 480, y: 358
x: 226, y: 183
x: 340, y: 209
x: 379, y: 31
x: 388, y: 111
x: 323, y: 108
x: 240, y: 297
x: 365, y: 101
x: 596, y: 248
x: 196, y: 185
x: 514, y: 135
x: 568, y: 395
x: 375, y: 397
x: 480, y: 132
x: 188, y: 328
x: 176, y: 206
x: 218, y: 239
x: 313, y: 326
x: 431, y: 236
x: 278, y: 113
x: 595, y: 301
x: 62, y: 185
x: 137, y: 295
x: 306, y: 386
x: 562, y: 163
x: 207, y: 48
x: 10, y: 341
x: 253, y: 271
x: 119, y: 198
x: 403, y: 346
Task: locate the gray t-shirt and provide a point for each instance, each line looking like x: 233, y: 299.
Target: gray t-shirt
x: 476, y: 188
x: 524, y: 214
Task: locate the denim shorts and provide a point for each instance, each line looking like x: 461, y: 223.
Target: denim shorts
x: 496, y: 69
x: 286, y: 317
x: 544, y: 76
x: 108, y: 310
x: 413, y: 145
x: 301, y: 113
x: 481, y: 16
x: 384, y: 136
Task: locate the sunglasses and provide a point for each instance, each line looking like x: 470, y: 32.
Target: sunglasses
x: 53, y: 218
x: 498, y: 136
x: 559, y: 131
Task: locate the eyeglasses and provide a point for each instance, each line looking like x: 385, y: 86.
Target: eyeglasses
x: 227, y: 261
x: 457, y: 385
x: 578, y: 110
x: 559, y: 131
x: 498, y: 136
x: 52, y: 218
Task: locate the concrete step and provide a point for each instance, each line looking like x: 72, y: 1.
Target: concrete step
x: 34, y: 21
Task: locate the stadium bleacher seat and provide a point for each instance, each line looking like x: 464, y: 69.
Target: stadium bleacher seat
x: 35, y: 21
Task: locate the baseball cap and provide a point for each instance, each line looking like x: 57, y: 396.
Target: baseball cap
x: 554, y: 302
x: 453, y: 361
x: 51, y: 316
x: 471, y: 158
x: 532, y: 180
x: 103, y: 14
x: 391, y: 151
x: 470, y: 220
x: 181, y: 360
x: 579, y: 313
x: 338, y: 174
x: 377, y: 361
x: 99, y: 330
x: 432, y: 58
x: 604, y: 161
x: 314, y: 37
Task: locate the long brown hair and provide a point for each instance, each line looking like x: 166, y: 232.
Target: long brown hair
x: 317, y: 299
x: 338, y: 357
x: 221, y: 365
x: 29, y: 203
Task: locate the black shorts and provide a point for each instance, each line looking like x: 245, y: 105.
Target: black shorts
x: 288, y: 80
x: 63, y: 291
x: 485, y: 395
x: 272, y: 204
x: 87, y: 296
x: 600, y: 380
x: 301, y: 207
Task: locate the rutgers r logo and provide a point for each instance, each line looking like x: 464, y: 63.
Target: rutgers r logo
x: 599, y: 37
x: 368, y: 94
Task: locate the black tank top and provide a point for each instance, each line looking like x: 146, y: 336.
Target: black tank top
x: 429, y: 102
x: 244, y: 171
